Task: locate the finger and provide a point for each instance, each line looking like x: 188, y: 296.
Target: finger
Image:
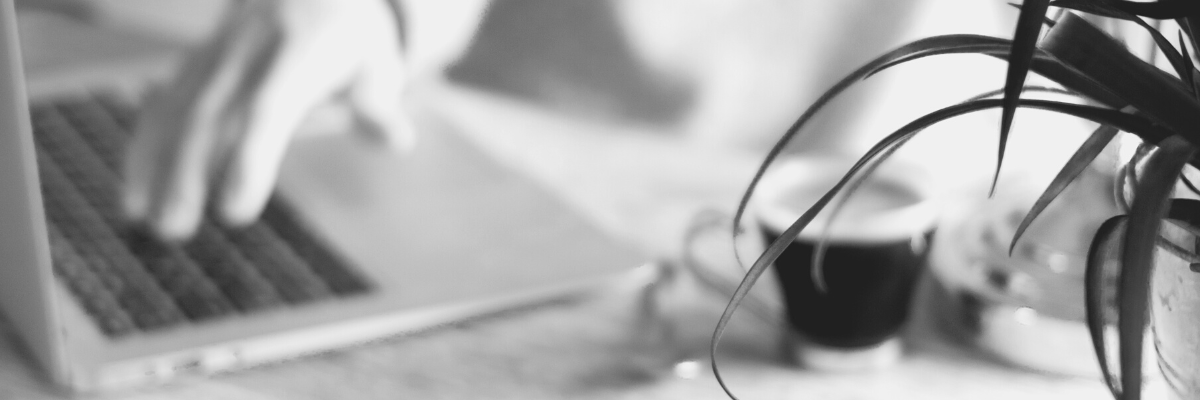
x: 167, y: 117
x: 297, y: 79
x: 170, y: 159
x: 138, y: 164
x: 375, y: 96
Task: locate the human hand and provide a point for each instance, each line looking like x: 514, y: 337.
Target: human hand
x: 221, y: 131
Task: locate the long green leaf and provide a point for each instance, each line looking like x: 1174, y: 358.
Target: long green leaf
x: 1045, y: 20
x: 1075, y: 165
x: 1043, y: 64
x: 1189, y: 78
x: 822, y: 244
x: 1105, y: 247
x: 1188, y: 25
x: 1190, y: 186
x: 933, y: 46
x: 1110, y: 10
x: 856, y: 181
x: 1130, y: 178
x: 921, y: 48
x: 1150, y: 90
x: 1177, y: 250
x: 1020, y: 59
x: 1150, y: 204
x: 1161, y: 9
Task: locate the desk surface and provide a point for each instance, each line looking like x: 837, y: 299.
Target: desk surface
x: 637, y: 184
x: 593, y: 349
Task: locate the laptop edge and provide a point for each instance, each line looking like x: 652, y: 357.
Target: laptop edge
x: 24, y: 249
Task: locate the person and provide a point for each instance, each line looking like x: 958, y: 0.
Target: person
x: 219, y: 131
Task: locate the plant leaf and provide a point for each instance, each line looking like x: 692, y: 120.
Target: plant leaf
x: 1188, y: 24
x: 1150, y: 204
x: 921, y: 48
x: 1105, y: 247
x: 1177, y: 250
x: 1109, y: 10
x: 822, y: 244
x: 818, y: 257
x: 1161, y: 9
x: 1045, y: 20
x: 1078, y: 162
x: 1027, y: 89
x: 1150, y: 90
x: 1189, y: 76
x: 1020, y: 58
x: 1191, y: 186
x: 1132, y: 123
x: 1043, y: 64
x: 937, y: 45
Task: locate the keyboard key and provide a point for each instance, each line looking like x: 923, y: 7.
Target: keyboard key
x: 140, y: 295
x: 127, y: 280
x: 87, y: 287
x: 337, y: 273
x: 104, y: 119
x: 290, y: 274
x: 230, y: 271
x: 171, y: 267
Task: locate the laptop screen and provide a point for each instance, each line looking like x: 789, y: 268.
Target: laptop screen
x: 26, y: 282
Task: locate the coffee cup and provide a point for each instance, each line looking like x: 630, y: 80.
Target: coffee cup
x: 876, y: 249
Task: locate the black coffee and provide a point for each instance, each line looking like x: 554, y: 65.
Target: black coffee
x: 876, y: 250
x: 869, y: 284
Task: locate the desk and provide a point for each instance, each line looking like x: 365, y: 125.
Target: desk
x: 637, y: 184
x: 590, y: 349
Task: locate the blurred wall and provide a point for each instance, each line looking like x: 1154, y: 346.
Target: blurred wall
x: 723, y: 72
x: 188, y: 20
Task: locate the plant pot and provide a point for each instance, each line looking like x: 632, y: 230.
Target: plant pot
x: 1175, y: 319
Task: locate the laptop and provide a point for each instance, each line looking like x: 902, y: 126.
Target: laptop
x: 358, y: 243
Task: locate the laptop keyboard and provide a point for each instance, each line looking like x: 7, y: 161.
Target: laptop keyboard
x: 130, y: 282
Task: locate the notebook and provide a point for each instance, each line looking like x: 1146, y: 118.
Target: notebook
x: 356, y: 245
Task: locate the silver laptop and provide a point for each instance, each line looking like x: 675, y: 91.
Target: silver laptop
x: 357, y: 245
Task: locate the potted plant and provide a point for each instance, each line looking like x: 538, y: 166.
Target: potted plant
x: 1149, y: 249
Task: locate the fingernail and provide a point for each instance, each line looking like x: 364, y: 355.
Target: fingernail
x: 175, y: 227
x: 236, y: 206
x: 135, y: 205
x: 237, y: 215
x: 177, y: 219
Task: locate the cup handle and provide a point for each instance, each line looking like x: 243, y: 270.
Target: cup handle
x: 723, y: 276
